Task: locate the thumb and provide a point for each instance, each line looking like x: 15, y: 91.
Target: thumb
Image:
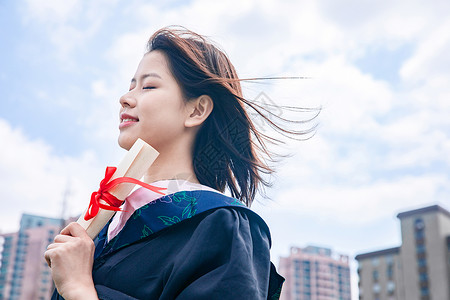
x: 74, y: 229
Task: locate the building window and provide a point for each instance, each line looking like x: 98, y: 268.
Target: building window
x: 423, y: 276
x: 390, y: 271
x: 375, y: 275
x: 389, y: 259
x: 306, y: 267
x: 419, y: 234
x: 419, y: 225
x: 390, y: 287
x: 420, y: 248
x: 422, y: 262
x: 375, y: 261
x: 448, y: 249
x: 424, y: 291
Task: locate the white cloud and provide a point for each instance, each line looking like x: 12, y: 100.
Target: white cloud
x: 126, y: 52
x: 430, y: 59
x: 52, y: 11
x: 68, y: 25
x: 34, y: 179
x: 358, y: 205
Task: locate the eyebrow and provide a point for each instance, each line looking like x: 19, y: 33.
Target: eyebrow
x: 147, y: 75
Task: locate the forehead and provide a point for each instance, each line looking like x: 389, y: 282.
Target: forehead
x: 153, y: 62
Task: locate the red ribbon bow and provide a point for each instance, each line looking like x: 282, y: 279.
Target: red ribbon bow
x: 112, y: 202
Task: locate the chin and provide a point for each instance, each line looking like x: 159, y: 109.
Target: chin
x: 126, y: 143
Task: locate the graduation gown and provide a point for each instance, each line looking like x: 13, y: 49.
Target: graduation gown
x: 187, y: 245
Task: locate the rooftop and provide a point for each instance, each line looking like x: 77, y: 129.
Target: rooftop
x: 383, y: 252
x: 433, y: 208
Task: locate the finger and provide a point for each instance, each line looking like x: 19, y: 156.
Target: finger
x: 61, y: 238
x: 74, y: 229
x: 65, y: 230
x: 47, y: 258
x: 52, y: 246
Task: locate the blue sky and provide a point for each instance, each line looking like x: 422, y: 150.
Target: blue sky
x: 380, y: 71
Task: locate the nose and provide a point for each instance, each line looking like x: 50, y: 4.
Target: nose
x: 127, y: 100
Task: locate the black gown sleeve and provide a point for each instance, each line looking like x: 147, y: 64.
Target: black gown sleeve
x: 227, y: 258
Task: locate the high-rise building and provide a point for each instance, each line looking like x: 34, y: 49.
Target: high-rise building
x: 315, y: 273
x: 24, y: 274
x: 419, y: 268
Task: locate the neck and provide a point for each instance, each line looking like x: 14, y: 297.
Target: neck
x: 173, y: 164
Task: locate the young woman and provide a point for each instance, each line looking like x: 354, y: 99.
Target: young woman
x: 195, y: 242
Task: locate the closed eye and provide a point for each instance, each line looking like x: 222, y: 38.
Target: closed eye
x: 149, y: 87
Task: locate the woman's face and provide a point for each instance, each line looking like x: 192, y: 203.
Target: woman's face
x: 153, y: 109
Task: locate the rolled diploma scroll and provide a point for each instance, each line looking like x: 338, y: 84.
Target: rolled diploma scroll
x: 135, y: 163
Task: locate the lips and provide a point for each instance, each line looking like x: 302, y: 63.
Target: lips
x: 127, y: 120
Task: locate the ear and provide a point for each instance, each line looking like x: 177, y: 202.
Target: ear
x: 198, y: 110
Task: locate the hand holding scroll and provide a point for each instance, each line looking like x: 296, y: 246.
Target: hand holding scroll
x: 72, y: 253
x: 70, y: 258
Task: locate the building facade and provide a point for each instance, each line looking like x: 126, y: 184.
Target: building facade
x: 417, y: 270
x: 380, y: 275
x: 315, y: 273
x: 24, y: 274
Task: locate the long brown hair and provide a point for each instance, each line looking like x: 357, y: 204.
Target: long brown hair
x: 228, y: 149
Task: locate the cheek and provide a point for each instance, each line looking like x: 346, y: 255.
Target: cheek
x: 163, y: 121
x: 169, y: 108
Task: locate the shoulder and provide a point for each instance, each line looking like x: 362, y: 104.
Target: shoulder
x: 228, y: 211
x: 237, y: 216
x: 228, y: 226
